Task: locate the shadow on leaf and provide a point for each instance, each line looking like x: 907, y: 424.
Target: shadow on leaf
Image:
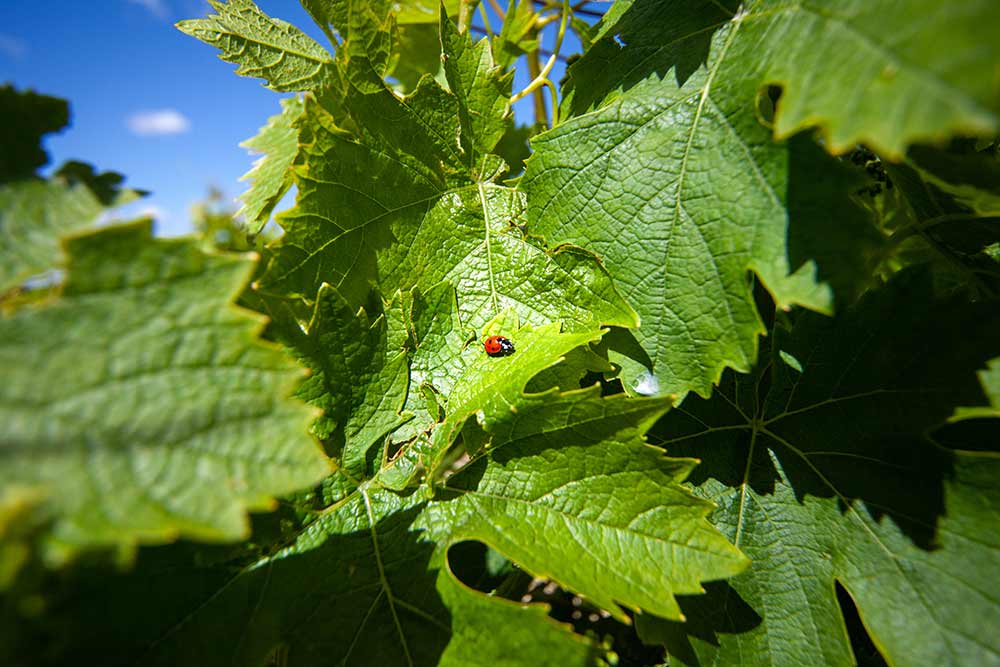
x: 652, y: 36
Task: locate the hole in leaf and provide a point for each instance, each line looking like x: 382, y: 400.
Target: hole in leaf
x: 486, y: 570
x: 970, y: 435
x: 865, y: 652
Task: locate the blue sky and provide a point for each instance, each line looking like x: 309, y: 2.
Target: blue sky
x: 147, y: 100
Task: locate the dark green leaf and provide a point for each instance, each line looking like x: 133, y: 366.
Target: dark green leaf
x: 827, y: 474
x: 25, y: 117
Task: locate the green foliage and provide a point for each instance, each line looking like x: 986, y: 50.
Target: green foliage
x: 34, y: 213
x: 752, y: 410
x: 265, y: 48
x: 839, y: 459
x: 136, y: 377
x: 271, y: 175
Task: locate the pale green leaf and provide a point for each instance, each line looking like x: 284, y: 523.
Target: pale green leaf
x: 517, y: 35
x: 843, y: 66
x: 139, y: 401
x: 828, y: 474
x: 263, y: 47
x: 990, y: 379
x: 417, y: 52
x: 473, y: 383
x: 424, y: 11
x: 271, y: 175
x: 33, y: 215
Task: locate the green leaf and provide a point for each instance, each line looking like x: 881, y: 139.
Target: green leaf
x: 488, y: 631
x: 569, y: 491
x: 424, y: 11
x: 517, y: 35
x: 271, y: 175
x: 359, y: 586
x: 263, y: 47
x: 828, y: 474
x: 358, y: 380
x: 570, y: 372
x: 482, y: 88
x: 33, y: 215
x: 438, y: 343
x: 473, y: 383
x: 417, y: 52
x: 354, y: 589
x: 25, y: 117
x: 699, y: 199
x: 990, y: 379
x: 491, y: 385
x: 969, y: 177
x: 889, y: 93
x: 141, y: 404
x: 373, y: 212
x: 946, y: 212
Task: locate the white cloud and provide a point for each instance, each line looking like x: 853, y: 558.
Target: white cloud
x: 153, y: 211
x: 157, y: 8
x: 12, y: 46
x: 158, y: 122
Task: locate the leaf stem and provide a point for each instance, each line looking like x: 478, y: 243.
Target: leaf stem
x: 534, y: 69
x: 486, y: 21
x: 539, y: 80
x: 498, y: 9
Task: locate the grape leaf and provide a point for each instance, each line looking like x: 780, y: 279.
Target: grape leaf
x: 488, y: 631
x: 969, y: 177
x: 303, y: 603
x: 568, y: 490
x: 33, y: 215
x: 437, y: 343
x: 265, y: 48
x: 676, y: 184
x: 271, y: 175
x: 424, y: 11
x: 842, y: 67
x: 139, y: 401
x: 352, y: 590
x: 481, y: 88
x: 417, y: 52
x: 358, y: 380
x: 380, y: 212
x: 990, y: 379
x: 473, y: 383
x: 827, y: 474
x: 948, y: 200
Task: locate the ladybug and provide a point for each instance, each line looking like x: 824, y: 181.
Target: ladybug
x: 498, y: 346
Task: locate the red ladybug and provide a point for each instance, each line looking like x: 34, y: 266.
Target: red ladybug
x: 498, y: 346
